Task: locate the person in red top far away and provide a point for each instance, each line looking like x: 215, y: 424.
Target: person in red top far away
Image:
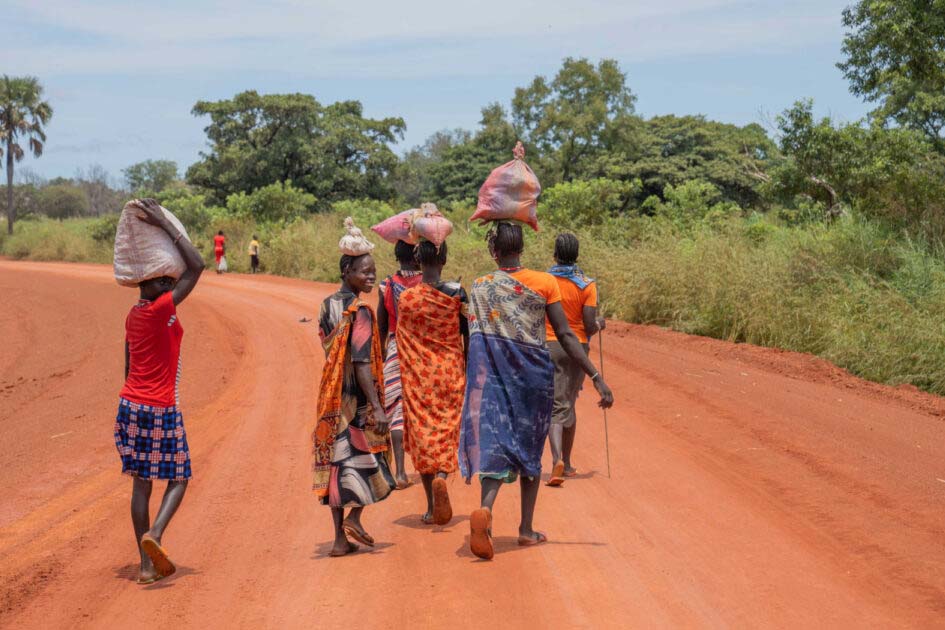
x: 149, y: 429
x: 579, y: 301
x: 219, y: 251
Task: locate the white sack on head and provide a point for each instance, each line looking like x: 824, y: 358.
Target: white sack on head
x: 144, y: 251
x: 353, y: 243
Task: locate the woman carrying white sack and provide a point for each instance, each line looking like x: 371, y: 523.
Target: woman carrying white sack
x: 152, y: 253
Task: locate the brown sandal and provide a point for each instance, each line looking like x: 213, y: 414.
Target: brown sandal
x: 157, y: 553
x: 358, y: 534
x: 480, y: 534
x: 557, y: 475
x: 442, y: 509
x: 536, y: 539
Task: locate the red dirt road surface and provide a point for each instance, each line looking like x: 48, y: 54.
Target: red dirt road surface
x: 751, y: 488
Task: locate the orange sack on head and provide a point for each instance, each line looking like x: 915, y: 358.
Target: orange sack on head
x: 429, y: 223
x: 397, y: 227
x: 510, y: 193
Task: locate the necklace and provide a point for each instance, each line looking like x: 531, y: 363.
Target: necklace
x: 510, y: 269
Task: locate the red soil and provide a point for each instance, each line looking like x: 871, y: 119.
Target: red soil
x: 750, y: 488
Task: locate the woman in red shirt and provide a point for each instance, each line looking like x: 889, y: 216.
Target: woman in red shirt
x: 149, y: 429
x: 219, y: 251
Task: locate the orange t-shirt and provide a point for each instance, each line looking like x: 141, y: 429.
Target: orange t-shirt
x: 573, y: 301
x: 544, y: 284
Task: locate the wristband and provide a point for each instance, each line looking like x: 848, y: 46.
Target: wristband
x: 180, y: 235
x: 595, y: 377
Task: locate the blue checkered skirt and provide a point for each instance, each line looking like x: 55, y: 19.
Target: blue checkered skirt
x: 151, y: 441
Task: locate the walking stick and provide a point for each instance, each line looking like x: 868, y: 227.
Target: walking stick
x: 600, y: 347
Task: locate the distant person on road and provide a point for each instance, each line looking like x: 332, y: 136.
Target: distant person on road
x: 579, y: 301
x: 388, y: 296
x: 510, y: 382
x: 350, y: 440
x: 149, y: 429
x: 219, y: 251
x: 254, y: 254
x: 432, y: 337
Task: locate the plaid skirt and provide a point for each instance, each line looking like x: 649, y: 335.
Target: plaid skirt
x: 151, y: 442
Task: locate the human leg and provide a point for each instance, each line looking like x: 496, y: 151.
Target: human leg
x: 526, y: 533
x: 400, y: 473
x: 141, y: 520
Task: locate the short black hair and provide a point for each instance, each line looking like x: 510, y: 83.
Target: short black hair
x: 220, y: 232
x: 254, y: 237
x: 348, y: 261
x: 567, y: 247
x: 430, y: 254
x: 506, y: 239
x: 404, y: 252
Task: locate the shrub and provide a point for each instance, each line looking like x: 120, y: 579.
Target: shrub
x: 275, y: 202
x: 591, y: 202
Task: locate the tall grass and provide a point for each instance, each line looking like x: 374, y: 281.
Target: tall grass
x: 852, y: 292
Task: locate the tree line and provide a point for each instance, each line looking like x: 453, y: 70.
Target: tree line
x: 281, y: 155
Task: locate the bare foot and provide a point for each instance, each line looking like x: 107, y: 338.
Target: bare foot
x: 342, y: 547
x: 427, y: 518
x: 569, y: 471
x: 402, y: 481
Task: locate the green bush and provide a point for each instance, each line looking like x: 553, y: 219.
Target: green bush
x: 275, y: 202
x: 592, y: 202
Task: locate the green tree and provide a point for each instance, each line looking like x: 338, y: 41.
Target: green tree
x: 23, y: 113
x: 61, y: 201
x: 330, y: 151
x: 895, y: 56
x: 152, y: 176
x: 463, y: 167
x: 676, y: 149
x: 575, y: 118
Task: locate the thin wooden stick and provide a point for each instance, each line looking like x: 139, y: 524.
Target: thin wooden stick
x: 600, y: 368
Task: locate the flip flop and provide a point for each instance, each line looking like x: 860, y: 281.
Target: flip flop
x: 403, y: 485
x: 442, y: 510
x: 557, y: 475
x: 536, y: 539
x: 146, y: 581
x: 358, y: 534
x: 157, y: 553
x: 480, y: 534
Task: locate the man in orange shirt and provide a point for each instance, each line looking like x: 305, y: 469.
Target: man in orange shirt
x: 579, y: 300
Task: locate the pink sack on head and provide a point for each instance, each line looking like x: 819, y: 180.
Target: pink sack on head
x: 510, y: 193
x: 396, y: 228
x: 430, y: 224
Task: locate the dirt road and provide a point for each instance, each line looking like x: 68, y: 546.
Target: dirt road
x: 751, y: 488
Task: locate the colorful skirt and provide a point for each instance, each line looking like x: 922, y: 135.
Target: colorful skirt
x: 151, y: 442
x: 393, y: 395
x: 358, y: 477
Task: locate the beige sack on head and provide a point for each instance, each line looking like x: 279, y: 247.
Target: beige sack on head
x: 353, y: 243
x: 144, y: 251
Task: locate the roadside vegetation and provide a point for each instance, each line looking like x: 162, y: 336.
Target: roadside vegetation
x: 804, y: 233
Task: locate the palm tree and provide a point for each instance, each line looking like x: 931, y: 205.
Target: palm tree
x: 22, y: 114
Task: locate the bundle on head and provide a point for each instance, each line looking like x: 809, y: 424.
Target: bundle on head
x: 429, y: 224
x: 567, y: 247
x: 353, y: 243
x: 396, y: 228
x: 510, y: 193
x: 144, y: 251
x: 506, y: 239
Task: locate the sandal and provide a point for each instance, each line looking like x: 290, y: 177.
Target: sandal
x: 358, y: 534
x: 480, y: 534
x: 442, y: 510
x: 427, y: 518
x: 557, y: 475
x: 535, y: 539
x: 157, y: 553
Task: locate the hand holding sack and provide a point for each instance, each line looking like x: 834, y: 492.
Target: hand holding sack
x: 428, y: 223
x: 397, y: 228
x: 353, y: 243
x: 510, y: 193
x: 144, y: 251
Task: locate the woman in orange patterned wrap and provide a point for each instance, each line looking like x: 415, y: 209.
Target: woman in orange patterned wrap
x: 432, y: 336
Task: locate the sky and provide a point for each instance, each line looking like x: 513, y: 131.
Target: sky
x: 123, y: 76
